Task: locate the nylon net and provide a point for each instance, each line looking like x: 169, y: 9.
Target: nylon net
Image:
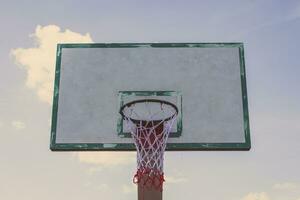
x: 150, y: 123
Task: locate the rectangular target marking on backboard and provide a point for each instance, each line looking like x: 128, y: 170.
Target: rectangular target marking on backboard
x: 174, y: 97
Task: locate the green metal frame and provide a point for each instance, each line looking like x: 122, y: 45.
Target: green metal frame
x: 170, y: 146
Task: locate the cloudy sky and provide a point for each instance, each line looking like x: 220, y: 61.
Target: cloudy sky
x: 270, y: 31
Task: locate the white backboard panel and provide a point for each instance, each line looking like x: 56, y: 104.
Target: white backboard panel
x: 205, y: 81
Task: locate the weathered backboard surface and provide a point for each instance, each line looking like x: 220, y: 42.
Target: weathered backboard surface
x: 206, y: 81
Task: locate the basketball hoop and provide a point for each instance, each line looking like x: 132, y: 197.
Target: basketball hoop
x: 150, y: 122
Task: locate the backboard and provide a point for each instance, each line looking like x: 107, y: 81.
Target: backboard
x: 206, y: 82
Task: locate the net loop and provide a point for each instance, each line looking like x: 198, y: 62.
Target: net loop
x: 150, y: 122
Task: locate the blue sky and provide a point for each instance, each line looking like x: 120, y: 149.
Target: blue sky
x: 270, y: 31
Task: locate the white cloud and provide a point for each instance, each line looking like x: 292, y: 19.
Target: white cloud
x: 18, y: 125
x: 106, y: 159
x: 286, y: 186
x: 102, y: 187
x: 94, y: 170
x: 173, y: 179
x: 39, y: 61
x: 129, y: 189
x: 256, y: 196
x: 176, y: 176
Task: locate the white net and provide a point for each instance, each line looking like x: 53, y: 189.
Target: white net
x: 150, y: 123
